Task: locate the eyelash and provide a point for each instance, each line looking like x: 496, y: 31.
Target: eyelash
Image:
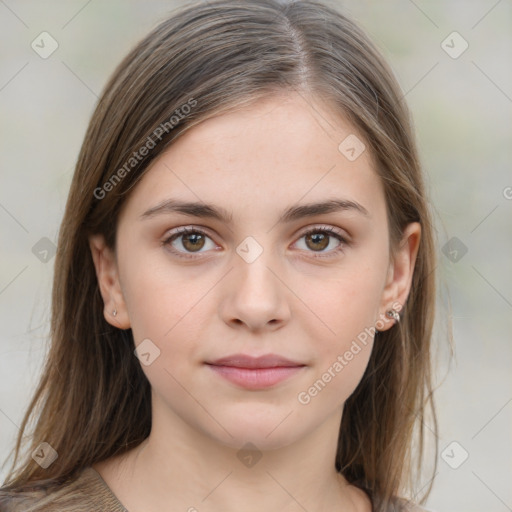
x: 324, y: 230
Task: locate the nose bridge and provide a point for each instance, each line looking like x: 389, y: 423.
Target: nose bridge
x: 252, y: 263
x: 256, y: 295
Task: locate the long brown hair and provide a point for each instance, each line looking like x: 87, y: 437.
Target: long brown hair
x: 215, y: 57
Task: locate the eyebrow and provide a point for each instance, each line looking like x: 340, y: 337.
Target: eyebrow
x: 295, y: 212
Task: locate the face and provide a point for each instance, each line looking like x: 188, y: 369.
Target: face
x: 265, y: 275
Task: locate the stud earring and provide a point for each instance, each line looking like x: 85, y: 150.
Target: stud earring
x: 392, y: 313
x: 114, y: 313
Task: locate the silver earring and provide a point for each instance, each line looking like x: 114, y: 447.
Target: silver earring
x: 392, y: 313
x: 114, y: 313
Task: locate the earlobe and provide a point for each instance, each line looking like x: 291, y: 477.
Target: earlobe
x: 115, y: 311
x: 400, y: 275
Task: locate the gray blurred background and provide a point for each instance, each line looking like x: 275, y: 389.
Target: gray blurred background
x: 453, y: 60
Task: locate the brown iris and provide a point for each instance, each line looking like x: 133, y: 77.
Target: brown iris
x: 321, y: 240
x: 193, y: 241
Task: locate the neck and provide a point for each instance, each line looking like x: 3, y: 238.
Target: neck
x: 188, y: 470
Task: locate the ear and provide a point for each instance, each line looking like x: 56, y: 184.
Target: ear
x: 108, y: 281
x: 399, y: 278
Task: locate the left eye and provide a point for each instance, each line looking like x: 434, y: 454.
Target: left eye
x: 192, y: 240
x: 319, y: 239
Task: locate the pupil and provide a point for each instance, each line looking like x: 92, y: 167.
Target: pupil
x: 193, y: 241
x: 319, y: 239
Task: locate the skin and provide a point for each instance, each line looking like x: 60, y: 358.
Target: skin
x: 289, y: 301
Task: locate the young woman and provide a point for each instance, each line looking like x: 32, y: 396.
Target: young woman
x: 244, y: 284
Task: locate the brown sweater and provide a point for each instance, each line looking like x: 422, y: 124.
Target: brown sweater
x: 90, y: 493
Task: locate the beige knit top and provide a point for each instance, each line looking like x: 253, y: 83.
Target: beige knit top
x: 90, y: 493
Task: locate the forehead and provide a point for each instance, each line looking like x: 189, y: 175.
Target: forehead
x: 282, y: 150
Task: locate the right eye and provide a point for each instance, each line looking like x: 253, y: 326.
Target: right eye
x: 192, y: 240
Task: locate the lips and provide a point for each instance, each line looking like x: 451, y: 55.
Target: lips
x: 255, y: 373
x: 246, y: 361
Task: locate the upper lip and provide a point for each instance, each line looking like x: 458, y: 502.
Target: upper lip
x: 245, y: 361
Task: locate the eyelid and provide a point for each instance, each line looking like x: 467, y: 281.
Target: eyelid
x: 320, y: 227
x: 326, y: 227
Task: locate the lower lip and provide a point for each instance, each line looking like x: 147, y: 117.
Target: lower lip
x: 257, y: 378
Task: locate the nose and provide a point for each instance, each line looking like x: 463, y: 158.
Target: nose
x: 256, y: 295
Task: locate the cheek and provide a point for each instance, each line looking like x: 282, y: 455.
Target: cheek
x: 160, y: 301
x: 166, y: 307
x: 341, y: 320
x: 343, y: 304
x: 342, y: 351
x: 155, y: 290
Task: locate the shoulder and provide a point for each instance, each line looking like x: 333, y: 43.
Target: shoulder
x: 9, y: 502
x: 85, y: 493
x: 17, y: 501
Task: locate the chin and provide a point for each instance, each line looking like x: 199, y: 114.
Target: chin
x: 253, y: 439
x: 265, y: 431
